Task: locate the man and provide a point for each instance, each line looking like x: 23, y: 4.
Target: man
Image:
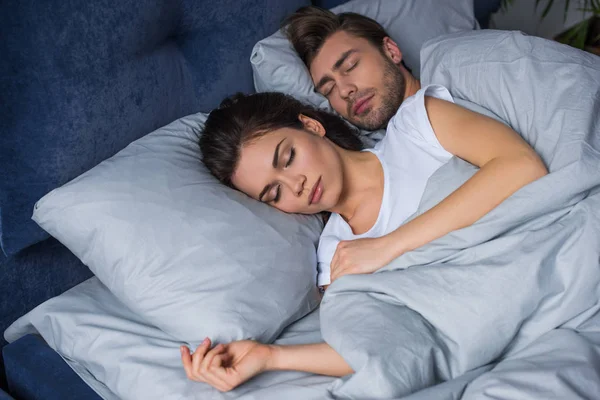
x: 353, y: 63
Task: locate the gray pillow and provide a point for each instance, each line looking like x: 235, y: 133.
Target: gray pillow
x: 121, y: 357
x: 189, y: 255
x: 410, y: 23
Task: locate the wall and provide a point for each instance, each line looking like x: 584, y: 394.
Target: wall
x: 523, y: 16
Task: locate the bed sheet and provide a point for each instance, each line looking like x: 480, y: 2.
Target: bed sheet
x: 121, y: 357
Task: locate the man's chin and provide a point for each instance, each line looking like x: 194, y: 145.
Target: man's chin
x: 367, y: 125
x: 368, y: 121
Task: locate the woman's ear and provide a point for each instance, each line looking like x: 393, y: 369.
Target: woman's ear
x: 312, y: 125
x: 392, y: 50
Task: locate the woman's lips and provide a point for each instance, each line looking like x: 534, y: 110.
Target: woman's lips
x: 315, y: 193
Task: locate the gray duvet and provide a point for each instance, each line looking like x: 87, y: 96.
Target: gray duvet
x: 504, y: 309
x: 482, y: 294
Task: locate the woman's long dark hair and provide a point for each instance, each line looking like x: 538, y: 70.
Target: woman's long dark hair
x: 243, y: 118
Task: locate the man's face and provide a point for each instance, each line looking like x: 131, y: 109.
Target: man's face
x: 361, y: 83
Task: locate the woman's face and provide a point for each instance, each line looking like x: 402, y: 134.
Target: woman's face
x: 296, y: 171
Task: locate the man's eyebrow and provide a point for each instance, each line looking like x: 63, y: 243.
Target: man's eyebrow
x: 336, y: 66
x: 342, y: 58
x: 322, y: 83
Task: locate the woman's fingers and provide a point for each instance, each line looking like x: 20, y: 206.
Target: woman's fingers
x: 186, y: 359
x: 191, y: 362
x: 229, y: 380
x: 208, y: 365
x: 199, y: 355
x: 216, y: 372
x: 212, y: 362
x: 208, y: 358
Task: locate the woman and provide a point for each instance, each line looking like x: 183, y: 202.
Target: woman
x: 302, y: 160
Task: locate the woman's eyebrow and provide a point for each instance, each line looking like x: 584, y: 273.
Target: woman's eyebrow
x: 276, y: 155
x: 275, y: 161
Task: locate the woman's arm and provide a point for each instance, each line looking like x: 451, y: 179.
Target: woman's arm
x: 318, y: 358
x: 228, y: 365
x: 506, y: 164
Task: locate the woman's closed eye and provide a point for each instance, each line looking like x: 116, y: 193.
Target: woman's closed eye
x: 277, y: 188
x: 277, y: 193
x: 291, y: 157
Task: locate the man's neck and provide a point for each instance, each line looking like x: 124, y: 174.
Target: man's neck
x: 413, y: 85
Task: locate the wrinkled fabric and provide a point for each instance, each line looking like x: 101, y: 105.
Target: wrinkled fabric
x: 487, y: 291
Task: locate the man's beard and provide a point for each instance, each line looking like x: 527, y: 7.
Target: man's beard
x: 394, y: 85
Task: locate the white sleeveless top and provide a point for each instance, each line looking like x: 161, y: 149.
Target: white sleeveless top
x: 409, y: 154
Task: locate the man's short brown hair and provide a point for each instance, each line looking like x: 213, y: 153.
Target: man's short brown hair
x: 309, y: 27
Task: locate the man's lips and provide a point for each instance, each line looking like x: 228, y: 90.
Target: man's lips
x: 315, y: 193
x: 361, y: 105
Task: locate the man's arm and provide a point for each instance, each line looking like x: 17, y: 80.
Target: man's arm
x: 506, y: 163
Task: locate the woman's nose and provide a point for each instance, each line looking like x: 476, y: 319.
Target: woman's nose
x: 296, y: 184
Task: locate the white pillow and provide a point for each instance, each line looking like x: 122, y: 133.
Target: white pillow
x: 410, y: 23
x: 186, y: 253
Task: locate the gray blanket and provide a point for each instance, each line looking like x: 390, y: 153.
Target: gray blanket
x: 485, y: 292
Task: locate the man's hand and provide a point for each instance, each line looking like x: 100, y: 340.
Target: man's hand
x: 226, y: 365
x: 362, y: 256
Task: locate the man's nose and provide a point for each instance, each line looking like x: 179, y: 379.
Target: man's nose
x: 347, y: 89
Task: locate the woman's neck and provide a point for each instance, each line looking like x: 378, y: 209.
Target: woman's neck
x: 362, y: 175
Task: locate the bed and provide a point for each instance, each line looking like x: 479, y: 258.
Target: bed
x: 81, y: 82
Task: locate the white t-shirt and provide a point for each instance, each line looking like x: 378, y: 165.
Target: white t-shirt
x: 409, y: 154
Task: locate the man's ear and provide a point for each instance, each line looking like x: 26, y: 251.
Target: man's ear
x: 312, y: 125
x: 391, y: 49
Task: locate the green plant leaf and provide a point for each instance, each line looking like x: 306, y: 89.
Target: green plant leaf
x: 547, y: 9
x: 576, y: 35
x: 567, y: 3
x: 505, y: 4
x: 582, y: 34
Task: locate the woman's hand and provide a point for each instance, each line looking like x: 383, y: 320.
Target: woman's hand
x: 362, y: 256
x: 226, y: 365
